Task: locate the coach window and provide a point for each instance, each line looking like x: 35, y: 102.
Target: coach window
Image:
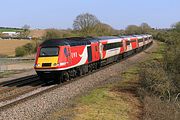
x: 112, y: 45
x: 128, y: 42
x: 121, y: 44
x: 140, y: 40
x: 133, y: 40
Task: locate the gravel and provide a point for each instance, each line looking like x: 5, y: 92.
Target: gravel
x: 41, y: 106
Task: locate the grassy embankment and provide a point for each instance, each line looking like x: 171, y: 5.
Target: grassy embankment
x: 122, y: 100
x: 111, y: 102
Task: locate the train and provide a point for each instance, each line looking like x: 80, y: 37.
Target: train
x: 66, y: 58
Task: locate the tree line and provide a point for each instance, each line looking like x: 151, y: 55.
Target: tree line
x: 89, y: 25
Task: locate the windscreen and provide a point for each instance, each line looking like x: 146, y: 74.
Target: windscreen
x: 49, y: 51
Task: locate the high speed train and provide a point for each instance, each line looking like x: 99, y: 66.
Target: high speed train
x: 65, y: 58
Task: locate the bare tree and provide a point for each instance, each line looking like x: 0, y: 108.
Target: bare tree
x: 25, y: 32
x: 145, y: 27
x: 26, y: 27
x: 85, y: 22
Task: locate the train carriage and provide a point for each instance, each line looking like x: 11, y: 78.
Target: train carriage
x: 140, y: 41
x: 127, y: 43
x: 58, y: 55
x: 110, y: 46
x: 134, y: 42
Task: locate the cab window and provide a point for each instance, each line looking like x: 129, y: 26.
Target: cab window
x: 49, y: 51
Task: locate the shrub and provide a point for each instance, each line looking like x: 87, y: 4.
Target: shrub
x: 26, y: 49
x: 20, y: 51
x: 160, y: 85
x: 160, y: 77
x: 155, y: 79
x: 156, y: 109
x: 30, y: 48
x: 55, y: 33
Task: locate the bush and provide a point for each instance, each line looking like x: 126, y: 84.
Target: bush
x: 30, y: 48
x: 156, y: 109
x: 163, y: 77
x: 27, y: 49
x: 155, y: 80
x: 55, y: 33
x: 160, y: 85
x: 20, y: 51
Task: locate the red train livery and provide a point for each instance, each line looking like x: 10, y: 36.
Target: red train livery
x: 66, y: 58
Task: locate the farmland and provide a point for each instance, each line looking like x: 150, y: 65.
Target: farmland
x: 2, y: 29
x: 7, y: 47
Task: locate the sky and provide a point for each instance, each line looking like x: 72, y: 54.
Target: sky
x: 60, y: 14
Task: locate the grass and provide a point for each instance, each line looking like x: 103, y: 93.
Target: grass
x: 158, y: 54
x: 116, y: 101
x: 7, y: 47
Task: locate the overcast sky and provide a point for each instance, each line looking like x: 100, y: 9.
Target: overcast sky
x: 61, y: 13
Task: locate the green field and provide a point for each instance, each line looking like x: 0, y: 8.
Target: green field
x: 10, y: 29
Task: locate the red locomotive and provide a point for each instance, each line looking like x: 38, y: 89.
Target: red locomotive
x: 66, y: 58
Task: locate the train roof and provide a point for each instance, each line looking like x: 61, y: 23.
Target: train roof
x: 107, y: 37
x: 72, y: 41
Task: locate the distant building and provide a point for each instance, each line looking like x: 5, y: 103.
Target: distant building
x: 11, y: 34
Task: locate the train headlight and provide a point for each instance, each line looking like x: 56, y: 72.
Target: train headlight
x: 38, y: 65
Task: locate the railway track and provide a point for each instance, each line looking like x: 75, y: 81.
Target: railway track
x: 19, y: 80
x: 17, y: 87
x: 16, y: 98
x: 13, y: 84
x: 30, y: 86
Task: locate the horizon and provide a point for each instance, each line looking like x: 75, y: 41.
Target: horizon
x: 60, y: 14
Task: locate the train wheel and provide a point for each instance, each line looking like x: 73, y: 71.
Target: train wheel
x: 79, y: 72
x: 46, y: 81
x: 58, y: 79
x: 65, y: 76
x: 95, y: 66
x: 43, y: 79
